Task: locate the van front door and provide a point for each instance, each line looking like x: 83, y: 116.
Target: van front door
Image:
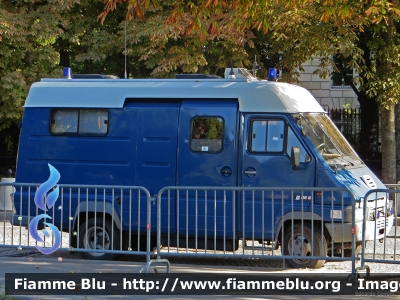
x: 207, y: 156
x: 266, y: 150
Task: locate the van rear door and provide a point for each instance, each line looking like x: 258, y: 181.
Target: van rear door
x: 153, y: 126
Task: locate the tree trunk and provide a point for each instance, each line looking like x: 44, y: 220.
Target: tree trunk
x: 397, y: 137
x: 388, y: 124
x: 367, y: 146
x: 388, y: 145
x: 64, y: 59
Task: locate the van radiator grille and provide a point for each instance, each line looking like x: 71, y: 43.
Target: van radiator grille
x: 382, y: 222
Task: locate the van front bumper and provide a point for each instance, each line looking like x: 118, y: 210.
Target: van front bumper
x: 374, y: 230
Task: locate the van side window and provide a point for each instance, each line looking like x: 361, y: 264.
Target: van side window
x: 206, y: 134
x: 93, y: 121
x: 64, y: 121
x: 79, y: 121
x: 267, y: 135
x: 294, y: 142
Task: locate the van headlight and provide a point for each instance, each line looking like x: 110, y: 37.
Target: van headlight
x: 359, y: 214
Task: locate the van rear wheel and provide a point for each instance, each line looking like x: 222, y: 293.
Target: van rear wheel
x: 301, y: 241
x: 98, y: 235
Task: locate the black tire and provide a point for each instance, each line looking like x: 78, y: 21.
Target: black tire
x: 347, y: 252
x: 103, y: 230
x: 303, y: 246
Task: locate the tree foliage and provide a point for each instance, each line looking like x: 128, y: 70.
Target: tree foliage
x: 164, y: 49
x: 359, y: 34
x: 38, y: 38
x: 28, y: 32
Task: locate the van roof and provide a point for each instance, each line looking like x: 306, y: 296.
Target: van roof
x: 253, y: 96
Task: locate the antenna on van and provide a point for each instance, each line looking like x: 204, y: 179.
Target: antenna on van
x: 231, y: 73
x: 125, y: 51
x: 256, y: 66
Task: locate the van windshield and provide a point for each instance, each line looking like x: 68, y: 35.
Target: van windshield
x: 328, y: 140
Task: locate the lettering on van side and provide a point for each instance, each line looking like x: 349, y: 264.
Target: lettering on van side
x: 298, y: 197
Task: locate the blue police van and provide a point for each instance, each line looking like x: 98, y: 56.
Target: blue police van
x: 192, y: 131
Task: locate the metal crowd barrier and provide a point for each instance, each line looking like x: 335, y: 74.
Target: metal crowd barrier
x: 303, y: 226
x: 380, y: 240
x: 99, y: 221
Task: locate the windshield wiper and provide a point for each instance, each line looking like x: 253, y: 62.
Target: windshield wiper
x: 336, y: 155
x: 331, y: 155
x: 349, y: 162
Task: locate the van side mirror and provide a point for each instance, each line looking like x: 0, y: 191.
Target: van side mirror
x: 295, y: 158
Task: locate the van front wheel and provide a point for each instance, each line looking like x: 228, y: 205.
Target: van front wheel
x: 301, y: 241
x: 98, y: 235
x: 357, y: 251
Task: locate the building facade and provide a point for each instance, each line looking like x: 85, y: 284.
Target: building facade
x: 331, y: 92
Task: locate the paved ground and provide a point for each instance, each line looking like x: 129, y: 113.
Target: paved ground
x: 15, y: 261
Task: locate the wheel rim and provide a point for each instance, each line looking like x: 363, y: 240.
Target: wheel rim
x: 93, y: 239
x: 300, y: 245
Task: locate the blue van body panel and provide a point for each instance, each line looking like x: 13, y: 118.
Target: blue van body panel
x: 350, y: 178
x: 80, y: 160
x: 156, y: 142
x: 353, y: 180
x: 129, y: 155
x: 154, y: 151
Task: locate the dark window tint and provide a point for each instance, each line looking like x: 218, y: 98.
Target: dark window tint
x: 79, y: 121
x: 64, y: 121
x: 338, y: 79
x: 93, y: 121
x: 206, y: 134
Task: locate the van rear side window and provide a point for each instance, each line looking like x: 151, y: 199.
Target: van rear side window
x: 79, y: 121
x: 207, y: 134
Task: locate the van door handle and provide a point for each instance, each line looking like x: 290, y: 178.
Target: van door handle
x: 250, y: 172
x: 226, y: 171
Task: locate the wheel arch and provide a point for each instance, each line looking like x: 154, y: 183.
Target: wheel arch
x: 297, y: 217
x: 90, y: 209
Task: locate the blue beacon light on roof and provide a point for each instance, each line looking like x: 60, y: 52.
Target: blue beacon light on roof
x: 272, y: 74
x: 67, y: 73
